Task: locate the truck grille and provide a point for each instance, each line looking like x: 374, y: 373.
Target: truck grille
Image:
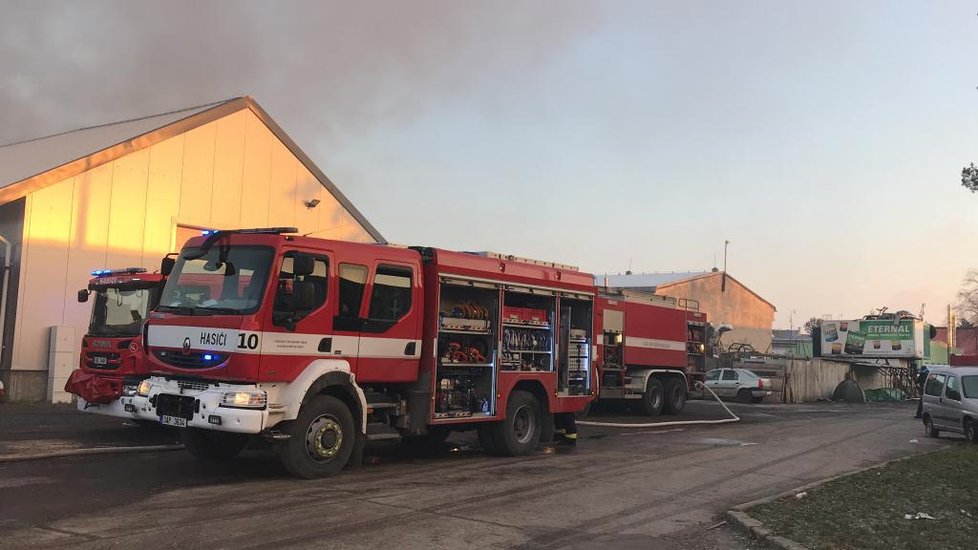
x: 191, y: 385
x: 191, y: 360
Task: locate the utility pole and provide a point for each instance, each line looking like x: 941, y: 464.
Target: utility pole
x: 723, y: 282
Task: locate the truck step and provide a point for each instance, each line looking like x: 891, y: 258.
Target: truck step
x: 378, y: 431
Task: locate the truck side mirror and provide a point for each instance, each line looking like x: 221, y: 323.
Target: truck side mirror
x: 166, y: 265
x: 303, y: 264
x: 83, y: 295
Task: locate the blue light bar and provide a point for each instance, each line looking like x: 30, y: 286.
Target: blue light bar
x: 207, y: 232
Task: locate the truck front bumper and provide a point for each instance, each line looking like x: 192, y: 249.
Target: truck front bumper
x: 200, y: 406
x: 121, y: 408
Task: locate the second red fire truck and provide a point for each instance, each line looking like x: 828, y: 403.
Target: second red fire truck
x: 652, y: 349
x: 111, y: 360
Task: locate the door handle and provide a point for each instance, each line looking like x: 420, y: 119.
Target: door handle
x: 326, y: 345
x: 410, y: 348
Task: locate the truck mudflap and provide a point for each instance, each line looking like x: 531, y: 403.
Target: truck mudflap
x: 202, y: 405
x: 94, y: 388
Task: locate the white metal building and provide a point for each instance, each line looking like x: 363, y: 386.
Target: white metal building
x: 125, y: 194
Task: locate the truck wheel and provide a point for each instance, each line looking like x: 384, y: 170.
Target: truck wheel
x: 487, y: 441
x: 971, y: 431
x: 654, y: 397
x: 929, y: 429
x: 676, y: 395
x: 519, y: 433
x: 322, y: 439
x: 744, y: 395
x: 211, y: 445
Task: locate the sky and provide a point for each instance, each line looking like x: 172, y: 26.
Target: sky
x: 824, y: 140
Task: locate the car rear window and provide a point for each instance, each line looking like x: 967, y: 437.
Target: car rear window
x: 970, y: 384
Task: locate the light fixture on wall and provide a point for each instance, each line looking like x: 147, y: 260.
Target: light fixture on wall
x: 311, y: 203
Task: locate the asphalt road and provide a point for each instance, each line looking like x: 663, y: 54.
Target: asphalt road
x: 621, y: 487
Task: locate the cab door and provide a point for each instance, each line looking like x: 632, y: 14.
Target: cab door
x: 351, y: 285
x: 292, y: 336
x: 390, y: 344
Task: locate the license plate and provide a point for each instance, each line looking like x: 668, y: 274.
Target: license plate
x: 173, y: 421
x: 100, y: 360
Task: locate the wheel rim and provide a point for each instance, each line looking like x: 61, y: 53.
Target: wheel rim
x: 523, y: 424
x: 324, y: 438
x: 654, y: 395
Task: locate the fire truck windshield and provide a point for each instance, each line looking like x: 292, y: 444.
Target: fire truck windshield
x: 119, y: 312
x: 226, y: 280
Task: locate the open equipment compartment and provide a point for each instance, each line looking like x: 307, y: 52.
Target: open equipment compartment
x: 465, y: 383
x: 576, y: 321
x: 528, y: 329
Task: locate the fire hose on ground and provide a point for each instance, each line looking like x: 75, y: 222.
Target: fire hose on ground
x: 734, y: 417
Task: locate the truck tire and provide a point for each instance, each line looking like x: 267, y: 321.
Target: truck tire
x: 519, y: 433
x: 321, y: 439
x: 676, y: 395
x: 929, y: 429
x: 211, y: 445
x: 487, y: 441
x: 654, y: 397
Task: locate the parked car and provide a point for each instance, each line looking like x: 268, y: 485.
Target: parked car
x: 742, y: 384
x: 951, y: 401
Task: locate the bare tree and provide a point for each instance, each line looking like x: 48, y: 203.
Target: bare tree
x: 811, y: 324
x: 967, y: 305
x: 969, y: 177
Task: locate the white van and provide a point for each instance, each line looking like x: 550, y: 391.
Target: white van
x: 951, y: 401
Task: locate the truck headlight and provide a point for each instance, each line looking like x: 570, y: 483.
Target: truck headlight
x: 249, y: 399
x: 144, y: 388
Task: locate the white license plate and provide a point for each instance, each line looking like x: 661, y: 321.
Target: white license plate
x: 100, y: 360
x: 173, y: 421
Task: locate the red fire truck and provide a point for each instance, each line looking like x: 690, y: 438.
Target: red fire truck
x: 320, y: 345
x: 652, y: 348
x: 111, y: 362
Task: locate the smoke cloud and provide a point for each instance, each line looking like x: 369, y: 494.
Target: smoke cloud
x: 325, y: 70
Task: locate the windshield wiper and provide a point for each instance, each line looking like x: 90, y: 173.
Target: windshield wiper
x: 109, y: 330
x: 182, y: 310
x: 219, y: 309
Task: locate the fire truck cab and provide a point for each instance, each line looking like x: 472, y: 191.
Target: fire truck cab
x: 111, y: 358
x: 320, y: 345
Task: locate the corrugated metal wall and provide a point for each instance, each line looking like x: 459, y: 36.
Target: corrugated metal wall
x: 232, y: 172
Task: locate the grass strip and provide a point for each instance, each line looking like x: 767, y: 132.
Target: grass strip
x: 868, y: 509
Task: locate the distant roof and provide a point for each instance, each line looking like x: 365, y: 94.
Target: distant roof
x: 655, y: 282
x: 29, y: 165
x: 647, y: 280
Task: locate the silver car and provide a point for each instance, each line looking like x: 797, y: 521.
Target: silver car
x: 743, y: 384
x: 951, y: 401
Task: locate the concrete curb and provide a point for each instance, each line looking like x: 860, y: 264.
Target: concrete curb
x: 738, y: 517
x: 91, y: 451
